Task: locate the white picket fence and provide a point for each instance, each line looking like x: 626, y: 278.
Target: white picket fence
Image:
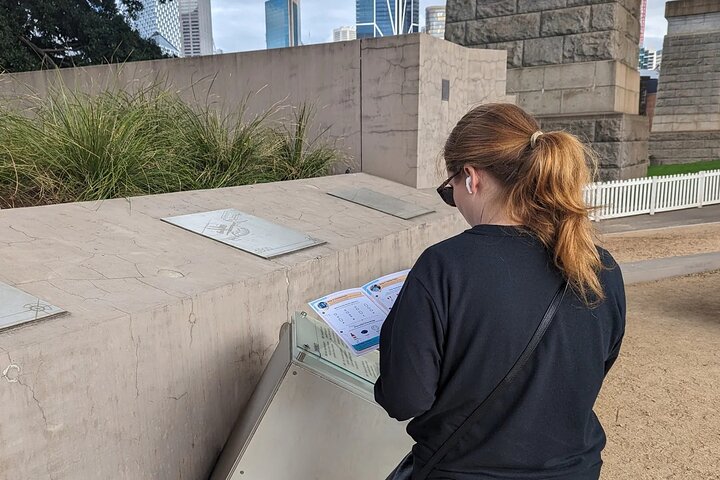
x: 624, y: 198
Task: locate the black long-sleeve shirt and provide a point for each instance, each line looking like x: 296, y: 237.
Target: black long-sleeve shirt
x: 467, y: 310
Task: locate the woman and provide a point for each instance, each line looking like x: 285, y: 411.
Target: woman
x: 471, y: 304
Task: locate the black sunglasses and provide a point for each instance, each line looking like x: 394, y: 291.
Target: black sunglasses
x: 446, y: 191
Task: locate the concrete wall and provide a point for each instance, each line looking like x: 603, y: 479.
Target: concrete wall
x: 686, y: 126
x: 167, y: 331
x: 405, y: 119
x: 326, y: 75
x: 380, y: 97
x: 481, y: 79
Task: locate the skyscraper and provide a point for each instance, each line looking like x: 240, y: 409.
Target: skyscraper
x: 649, y: 59
x: 381, y: 18
x: 344, y: 34
x: 196, y: 27
x: 159, y: 22
x: 435, y: 21
x: 282, y: 23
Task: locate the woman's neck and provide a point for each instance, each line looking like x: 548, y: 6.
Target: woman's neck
x: 493, y: 216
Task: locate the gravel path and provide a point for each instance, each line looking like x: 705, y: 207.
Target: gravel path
x: 669, y: 242
x: 660, y: 405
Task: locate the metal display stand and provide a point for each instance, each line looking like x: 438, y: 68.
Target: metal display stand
x: 312, y: 416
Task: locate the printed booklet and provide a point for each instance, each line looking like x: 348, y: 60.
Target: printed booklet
x: 357, y: 314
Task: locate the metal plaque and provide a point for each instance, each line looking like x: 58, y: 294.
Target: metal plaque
x: 18, y: 307
x: 246, y: 232
x: 381, y: 202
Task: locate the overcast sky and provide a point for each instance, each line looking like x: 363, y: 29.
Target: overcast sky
x: 239, y: 25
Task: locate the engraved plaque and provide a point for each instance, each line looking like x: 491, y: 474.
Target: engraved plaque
x: 381, y: 202
x: 18, y: 307
x: 245, y: 232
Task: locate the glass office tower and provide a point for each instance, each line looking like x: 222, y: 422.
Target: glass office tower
x: 282, y: 23
x: 159, y: 22
x: 435, y: 21
x: 381, y: 18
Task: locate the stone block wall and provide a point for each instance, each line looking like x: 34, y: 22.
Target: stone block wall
x: 689, y: 87
x: 548, y: 32
x: 684, y: 147
x: 568, y: 59
x: 603, y: 86
x: 686, y: 126
x: 618, y: 139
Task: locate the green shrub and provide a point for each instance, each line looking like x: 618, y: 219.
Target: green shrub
x: 74, y: 147
x: 217, y: 151
x: 301, y: 154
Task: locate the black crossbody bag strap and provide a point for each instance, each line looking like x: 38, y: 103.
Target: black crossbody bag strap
x: 512, y: 373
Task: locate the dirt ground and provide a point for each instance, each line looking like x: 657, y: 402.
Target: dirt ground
x: 669, y: 242
x: 660, y: 404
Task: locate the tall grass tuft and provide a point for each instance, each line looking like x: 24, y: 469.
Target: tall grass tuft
x: 301, y: 154
x: 221, y: 151
x: 22, y: 180
x: 74, y: 146
x: 112, y: 145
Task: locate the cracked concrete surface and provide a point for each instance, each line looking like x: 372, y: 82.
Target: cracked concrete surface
x: 167, y: 331
x: 404, y: 120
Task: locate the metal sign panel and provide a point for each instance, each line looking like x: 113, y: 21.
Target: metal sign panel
x: 381, y: 202
x: 18, y: 307
x: 246, y: 232
x: 305, y: 403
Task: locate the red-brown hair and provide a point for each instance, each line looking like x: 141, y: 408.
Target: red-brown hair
x: 542, y: 184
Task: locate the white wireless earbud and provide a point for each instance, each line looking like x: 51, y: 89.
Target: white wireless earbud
x: 467, y: 184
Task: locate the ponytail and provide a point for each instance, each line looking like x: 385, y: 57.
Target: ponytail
x: 543, y: 175
x: 548, y: 200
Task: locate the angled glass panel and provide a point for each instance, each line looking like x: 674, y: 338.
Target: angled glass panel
x: 315, y: 339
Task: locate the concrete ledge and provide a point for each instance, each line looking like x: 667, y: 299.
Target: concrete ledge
x: 695, y: 24
x: 657, y: 269
x: 604, y: 86
x: 681, y: 8
x: 168, y: 331
x: 686, y: 122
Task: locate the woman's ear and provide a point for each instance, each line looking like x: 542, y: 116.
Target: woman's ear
x: 473, y: 179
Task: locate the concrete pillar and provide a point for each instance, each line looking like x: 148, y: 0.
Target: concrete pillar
x: 573, y: 64
x: 686, y: 127
x: 415, y: 88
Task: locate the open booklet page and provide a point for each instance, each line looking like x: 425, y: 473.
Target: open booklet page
x: 385, y: 290
x: 357, y: 314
